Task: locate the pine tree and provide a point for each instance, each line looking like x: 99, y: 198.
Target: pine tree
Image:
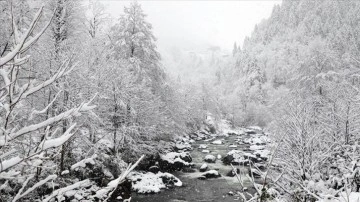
x: 135, y: 42
x: 235, y: 49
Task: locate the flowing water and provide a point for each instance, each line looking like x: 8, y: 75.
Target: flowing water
x: 207, y: 190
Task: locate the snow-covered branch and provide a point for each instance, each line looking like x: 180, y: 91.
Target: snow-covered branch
x: 35, y: 186
x: 22, y: 44
x: 34, y: 112
x: 61, y: 191
x: 27, y: 129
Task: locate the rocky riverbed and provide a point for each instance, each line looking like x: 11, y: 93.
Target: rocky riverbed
x: 208, y: 175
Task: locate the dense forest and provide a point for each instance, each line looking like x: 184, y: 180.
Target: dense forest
x: 89, y: 109
x: 301, y: 67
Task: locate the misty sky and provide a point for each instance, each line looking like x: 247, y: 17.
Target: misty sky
x: 191, y: 25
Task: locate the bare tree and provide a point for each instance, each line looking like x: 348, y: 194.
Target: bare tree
x: 22, y: 142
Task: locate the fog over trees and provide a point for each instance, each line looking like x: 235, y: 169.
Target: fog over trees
x: 92, y: 110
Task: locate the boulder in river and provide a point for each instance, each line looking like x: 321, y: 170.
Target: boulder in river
x: 202, y: 135
x: 254, y: 130
x: 217, y: 142
x: 182, y: 146
x: 203, y: 167
x: 193, y: 135
x: 210, y: 158
x: 231, y: 193
x: 236, y: 157
x: 260, y: 166
x: 257, y: 139
x: 205, y: 151
x: 174, y: 161
x: 233, y: 172
x: 202, y: 146
x: 202, y: 178
x: 154, y: 169
x: 263, y: 154
x: 211, y: 174
x: 257, y: 147
x: 253, y: 158
x: 254, y: 172
x: 250, y: 132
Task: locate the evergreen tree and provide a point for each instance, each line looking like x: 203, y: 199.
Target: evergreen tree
x: 235, y: 49
x: 135, y: 42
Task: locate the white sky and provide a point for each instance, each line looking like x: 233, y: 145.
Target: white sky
x: 192, y: 24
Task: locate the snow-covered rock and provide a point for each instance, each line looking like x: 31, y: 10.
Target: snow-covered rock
x: 254, y: 172
x: 252, y: 157
x: 172, y: 157
x: 154, y: 169
x: 249, y: 131
x: 210, y: 158
x: 199, y: 135
x: 257, y: 139
x: 211, y: 174
x: 205, y: 151
x: 174, y: 161
x: 183, y: 146
x: 203, y: 167
x: 232, y: 156
x: 258, y: 128
x: 193, y: 136
x: 202, y: 146
x: 201, y: 177
x: 237, y: 157
x: 65, y: 172
x: 152, y: 183
x: 217, y: 142
x: 231, y: 193
x: 264, y: 154
x: 257, y: 147
x: 233, y: 172
x: 233, y: 132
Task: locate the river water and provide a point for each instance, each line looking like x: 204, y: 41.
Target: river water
x: 208, y: 190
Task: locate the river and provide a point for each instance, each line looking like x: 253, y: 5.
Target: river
x: 208, y: 190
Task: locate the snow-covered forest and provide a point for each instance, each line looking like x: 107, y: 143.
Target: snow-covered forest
x: 91, y: 110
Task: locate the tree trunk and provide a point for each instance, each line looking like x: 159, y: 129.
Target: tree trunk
x: 64, y: 128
